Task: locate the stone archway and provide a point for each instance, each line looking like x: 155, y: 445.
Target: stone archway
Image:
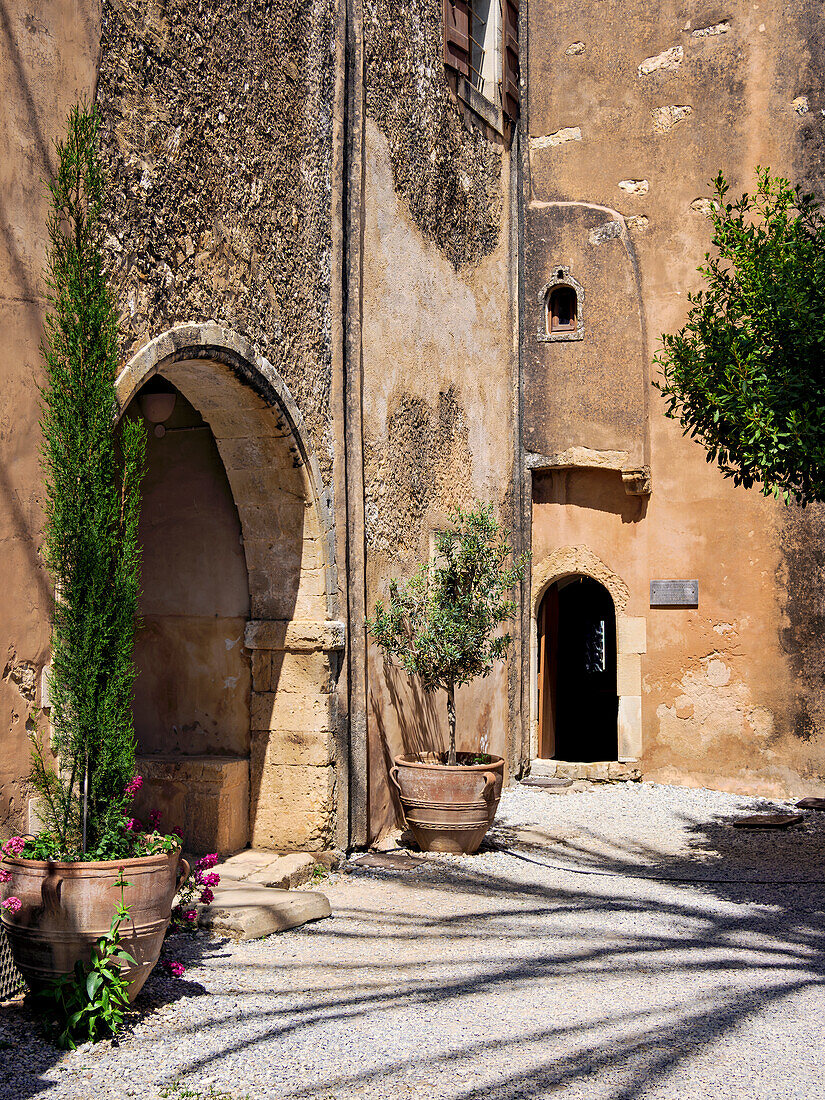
x: 297, y: 766
x: 630, y: 641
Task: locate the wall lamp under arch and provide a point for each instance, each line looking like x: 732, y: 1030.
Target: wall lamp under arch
x: 157, y: 403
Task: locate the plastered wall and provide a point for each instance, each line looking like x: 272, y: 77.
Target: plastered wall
x: 48, y: 55
x: 438, y: 431
x: 635, y: 108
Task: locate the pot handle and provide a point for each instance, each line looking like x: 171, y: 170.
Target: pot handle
x: 50, y: 891
x: 394, y: 778
x: 183, y: 872
x: 490, y: 782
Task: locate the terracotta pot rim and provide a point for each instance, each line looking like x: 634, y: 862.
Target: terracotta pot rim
x: 404, y: 761
x: 98, y: 865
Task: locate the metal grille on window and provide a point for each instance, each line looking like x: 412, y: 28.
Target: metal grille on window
x: 595, y: 655
x: 485, y: 21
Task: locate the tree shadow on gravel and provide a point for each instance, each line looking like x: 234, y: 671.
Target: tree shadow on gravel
x: 584, y: 964
x: 734, y: 924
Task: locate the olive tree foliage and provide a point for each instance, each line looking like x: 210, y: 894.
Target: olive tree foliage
x: 746, y: 374
x: 443, y: 626
x: 91, y: 525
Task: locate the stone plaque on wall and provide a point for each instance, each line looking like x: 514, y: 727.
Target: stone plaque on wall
x: 674, y: 593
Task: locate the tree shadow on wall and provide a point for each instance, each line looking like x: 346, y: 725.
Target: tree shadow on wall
x: 421, y: 722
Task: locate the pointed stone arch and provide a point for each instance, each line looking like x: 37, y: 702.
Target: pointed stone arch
x: 298, y: 756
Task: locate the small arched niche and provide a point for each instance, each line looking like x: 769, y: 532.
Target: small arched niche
x: 577, y: 672
x: 562, y: 301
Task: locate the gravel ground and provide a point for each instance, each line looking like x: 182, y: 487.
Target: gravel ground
x: 614, y: 942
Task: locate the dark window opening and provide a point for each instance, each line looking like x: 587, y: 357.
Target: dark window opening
x: 562, y: 310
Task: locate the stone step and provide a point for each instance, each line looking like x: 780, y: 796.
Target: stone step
x: 600, y: 771
x: 247, y: 911
x: 259, y: 868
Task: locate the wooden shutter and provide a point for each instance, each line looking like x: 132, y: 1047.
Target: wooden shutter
x: 457, y: 35
x: 509, y: 64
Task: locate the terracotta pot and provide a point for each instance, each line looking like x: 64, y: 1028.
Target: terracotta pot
x: 68, y: 906
x: 448, y: 809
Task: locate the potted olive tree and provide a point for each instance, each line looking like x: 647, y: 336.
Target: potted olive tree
x: 90, y: 860
x: 444, y: 626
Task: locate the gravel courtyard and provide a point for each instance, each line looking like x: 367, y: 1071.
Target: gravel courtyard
x: 617, y: 941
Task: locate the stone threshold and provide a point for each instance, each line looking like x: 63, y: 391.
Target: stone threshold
x: 258, y: 895
x: 599, y: 771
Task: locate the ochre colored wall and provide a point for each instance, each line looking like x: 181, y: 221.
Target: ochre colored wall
x: 663, y: 97
x: 48, y: 54
x: 193, y: 671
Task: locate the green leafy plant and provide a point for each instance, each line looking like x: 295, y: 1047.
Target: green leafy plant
x: 746, y: 374
x: 319, y: 873
x: 444, y: 625
x: 90, y: 1003
x: 92, y: 510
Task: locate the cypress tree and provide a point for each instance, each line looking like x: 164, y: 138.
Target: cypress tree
x: 91, y: 548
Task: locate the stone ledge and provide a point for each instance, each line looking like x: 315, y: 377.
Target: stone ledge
x: 259, y: 868
x: 636, y: 478
x: 599, y: 771
x: 294, y: 634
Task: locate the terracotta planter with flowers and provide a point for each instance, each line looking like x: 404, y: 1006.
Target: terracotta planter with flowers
x: 55, y: 912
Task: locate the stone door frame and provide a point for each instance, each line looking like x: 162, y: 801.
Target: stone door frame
x: 631, y: 641
x: 252, y: 414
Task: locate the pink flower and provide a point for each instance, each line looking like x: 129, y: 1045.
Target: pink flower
x: 5, y: 876
x: 207, y: 897
x: 14, y: 846
x: 176, y: 969
x: 212, y: 879
x: 14, y: 905
x: 207, y: 861
x: 154, y: 819
x: 177, y: 832
x: 190, y: 915
x: 133, y: 825
x: 133, y: 786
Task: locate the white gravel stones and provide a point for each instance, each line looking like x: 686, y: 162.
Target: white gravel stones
x: 621, y: 941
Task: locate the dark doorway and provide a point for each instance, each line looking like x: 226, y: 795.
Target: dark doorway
x: 578, y: 703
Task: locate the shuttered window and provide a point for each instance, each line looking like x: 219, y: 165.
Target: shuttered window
x: 509, y: 59
x: 481, y: 44
x: 457, y: 35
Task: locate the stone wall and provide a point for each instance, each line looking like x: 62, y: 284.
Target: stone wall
x: 218, y: 142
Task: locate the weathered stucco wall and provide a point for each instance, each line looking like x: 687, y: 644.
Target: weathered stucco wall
x: 438, y: 431
x: 218, y: 141
x: 444, y: 168
x: 48, y: 55
x: 637, y: 114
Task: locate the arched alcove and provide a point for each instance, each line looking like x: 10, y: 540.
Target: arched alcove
x: 193, y: 685
x: 294, y: 774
